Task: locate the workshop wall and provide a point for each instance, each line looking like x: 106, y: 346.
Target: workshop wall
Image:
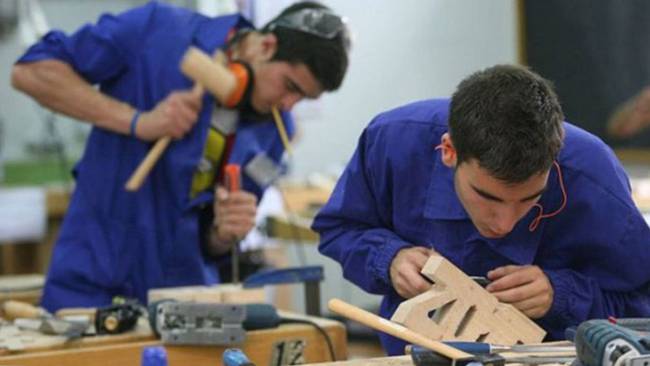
x: 402, y: 51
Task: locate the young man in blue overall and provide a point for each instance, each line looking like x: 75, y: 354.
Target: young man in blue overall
x: 169, y: 232
x: 497, y: 183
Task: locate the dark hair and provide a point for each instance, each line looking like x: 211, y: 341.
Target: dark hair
x: 327, y: 59
x: 509, y: 119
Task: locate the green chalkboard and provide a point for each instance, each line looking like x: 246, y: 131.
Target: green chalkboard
x: 597, y: 53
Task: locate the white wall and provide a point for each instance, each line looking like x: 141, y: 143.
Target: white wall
x: 402, y: 51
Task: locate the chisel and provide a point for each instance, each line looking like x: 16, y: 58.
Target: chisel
x: 232, y: 177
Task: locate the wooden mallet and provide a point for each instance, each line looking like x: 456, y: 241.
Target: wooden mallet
x: 226, y: 82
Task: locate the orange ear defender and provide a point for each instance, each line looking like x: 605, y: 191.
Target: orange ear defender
x: 243, y: 86
x: 229, y: 83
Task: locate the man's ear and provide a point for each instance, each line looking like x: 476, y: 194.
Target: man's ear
x: 448, y: 155
x: 269, y: 45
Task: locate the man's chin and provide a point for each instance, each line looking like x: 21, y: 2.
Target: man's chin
x: 491, y: 234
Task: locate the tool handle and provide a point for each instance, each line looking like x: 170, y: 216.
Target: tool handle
x: 396, y: 330
x: 475, y: 348
x: 232, y: 177
x: 142, y: 171
x: 76, y: 312
x: 17, y: 309
x: 211, y: 73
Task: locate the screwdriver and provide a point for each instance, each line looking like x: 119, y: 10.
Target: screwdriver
x: 232, y: 176
x: 477, y: 348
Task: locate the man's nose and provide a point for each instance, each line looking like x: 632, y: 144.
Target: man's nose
x: 289, y: 101
x: 505, y: 221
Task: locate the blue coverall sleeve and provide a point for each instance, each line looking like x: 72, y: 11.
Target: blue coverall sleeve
x: 98, y: 52
x: 354, y: 225
x: 579, y: 297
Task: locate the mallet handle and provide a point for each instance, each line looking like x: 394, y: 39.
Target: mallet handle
x: 211, y: 73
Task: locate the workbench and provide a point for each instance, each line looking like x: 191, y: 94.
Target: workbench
x: 288, y: 341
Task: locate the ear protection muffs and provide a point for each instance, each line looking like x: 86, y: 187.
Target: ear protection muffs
x: 243, y: 86
x: 230, y: 83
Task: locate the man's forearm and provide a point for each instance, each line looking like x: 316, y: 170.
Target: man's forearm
x: 55, y: 85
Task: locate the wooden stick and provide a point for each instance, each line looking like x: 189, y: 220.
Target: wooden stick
x: 279, y: 123
x: 384, y: 325
x: 17, y: 309
x: 214, y: 75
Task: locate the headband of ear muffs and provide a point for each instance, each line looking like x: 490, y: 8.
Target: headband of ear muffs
x: 240, y: 98
x: 244, y: 87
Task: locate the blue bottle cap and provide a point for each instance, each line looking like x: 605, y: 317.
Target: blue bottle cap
x: 154, y: 356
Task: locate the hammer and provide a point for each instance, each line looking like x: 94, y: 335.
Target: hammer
x: 226, y: 83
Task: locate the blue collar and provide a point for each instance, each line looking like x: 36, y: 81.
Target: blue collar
x: 213, y: 32
x: 442, y: 201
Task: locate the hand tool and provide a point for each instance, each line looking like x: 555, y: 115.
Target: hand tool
x: 235, y: 357
x: 118, y: 318
x: 424, y: 357
x: 50, y: 325
x: 396, y: 330
x: 12, y: 309
x: 28, y: 316
x: 487, y: 348
x: 232, y: 176
x: 311, y: 276
x: 226, y: 82
x: 188, y: 323
x: 601, y: 343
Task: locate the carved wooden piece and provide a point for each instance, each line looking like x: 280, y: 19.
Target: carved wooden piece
x: 457, y: 308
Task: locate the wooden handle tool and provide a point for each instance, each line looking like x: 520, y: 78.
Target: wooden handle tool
x: 211, y: 73
x: 396, y: 330
x: 17, y: 309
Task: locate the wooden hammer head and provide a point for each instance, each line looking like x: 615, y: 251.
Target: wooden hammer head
x: 226, y: 83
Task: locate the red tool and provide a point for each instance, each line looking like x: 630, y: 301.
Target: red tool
x: 232, y: 180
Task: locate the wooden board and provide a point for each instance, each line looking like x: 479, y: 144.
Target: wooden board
x: 27, y: 288
x: 26, y: 341
x: 224, y: 293
x: 457, y: 308
x: 260, y: 346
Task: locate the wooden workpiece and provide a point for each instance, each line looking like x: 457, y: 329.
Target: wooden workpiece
x: 457, y: 308
x: 222, y: 293
x: 260, y: 347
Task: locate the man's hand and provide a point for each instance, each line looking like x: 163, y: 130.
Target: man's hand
x: 527, y: 288
x: 174, y: 116
x: 234, y: 217
x: 405, y: 271
x: 632, y: 117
